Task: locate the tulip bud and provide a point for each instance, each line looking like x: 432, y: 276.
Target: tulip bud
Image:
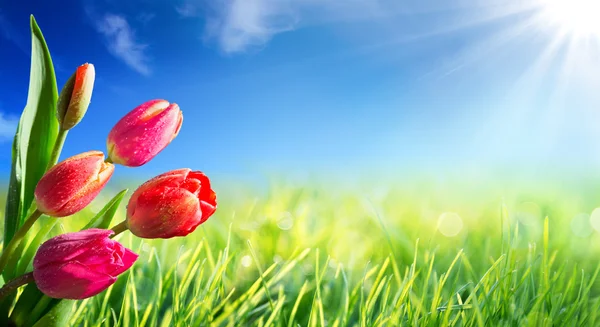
x: 80, y: 265
x: 171, y: 204
x: 144, y: 132
x: 75, y: 96
x: 72, y: 184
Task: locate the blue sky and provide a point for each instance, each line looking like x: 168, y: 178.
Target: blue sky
x: 324, y: 85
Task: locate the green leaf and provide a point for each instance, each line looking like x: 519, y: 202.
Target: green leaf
x: 35, y: 137
x: 25, y: 304
x: 12, y: 213
x: 5, y: 305
x: 58, y: 316
x: 47, y: 224
x: 10, y: 271
x: 105, y: 216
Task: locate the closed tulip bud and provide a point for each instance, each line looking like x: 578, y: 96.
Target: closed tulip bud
x: 72, y: 184
x: 144, y: 132
x: 171, y: 204
x: 75, y: 96
x: 80, y: 265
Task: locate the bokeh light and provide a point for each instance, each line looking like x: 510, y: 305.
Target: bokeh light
x: 450, y: 224
x: 246, y: 261
x: 580, y: 225
x: 595, y: 219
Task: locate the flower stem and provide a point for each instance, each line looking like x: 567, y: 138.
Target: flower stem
x: 15, y: 283
x: 60, y: 141
x: 16, y: 240
x: 120, y: 228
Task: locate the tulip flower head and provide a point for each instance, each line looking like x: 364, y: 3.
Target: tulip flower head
x: 75, y: 96
x: 144, y: 132
x: 80, y: 265
x: 72, y: 184
x: 171, y: 204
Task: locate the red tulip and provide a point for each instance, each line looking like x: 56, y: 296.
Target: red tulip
x: 80, y: 265
x: 171, y: 204
x: 72, y: 184
x: 75, y: 96
x: 144, y: 132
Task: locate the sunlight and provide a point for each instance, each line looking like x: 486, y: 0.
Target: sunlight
x: 577, y: 16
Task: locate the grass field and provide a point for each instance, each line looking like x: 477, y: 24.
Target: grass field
x: 424, y: 253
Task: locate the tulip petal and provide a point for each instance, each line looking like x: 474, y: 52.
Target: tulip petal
x: 72, y: 280
x: 79, y: 265
x: 207, y: 197
x: 72, y: 184
x: 171, y: 204
x: 157, y: 186
x: 164, y: 211
x: 128, y: 259
x: 144, y: 132
x: 88, y: 192
x: 66, y: 247
x: 79, y: 93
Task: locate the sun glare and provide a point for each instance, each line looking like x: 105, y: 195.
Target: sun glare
x: 576, y: 16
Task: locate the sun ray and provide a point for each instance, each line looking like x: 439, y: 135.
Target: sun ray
x: 579, y: 17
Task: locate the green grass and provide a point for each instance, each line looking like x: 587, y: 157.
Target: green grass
x: 306, y: 254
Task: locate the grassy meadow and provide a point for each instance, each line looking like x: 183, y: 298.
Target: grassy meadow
x: 459, y: 251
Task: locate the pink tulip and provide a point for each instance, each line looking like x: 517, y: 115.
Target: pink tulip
x: 171, y: 204
x: 72, y: 184
x: 80, y: 265
x: 144, y: 132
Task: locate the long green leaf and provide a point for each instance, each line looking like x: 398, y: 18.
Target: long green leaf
x: 104, y: 217
x: 27, y: 256
x: 58, y: 316
x: 29, y: 298
x: 36, y: 135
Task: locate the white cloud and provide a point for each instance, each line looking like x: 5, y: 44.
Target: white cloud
x: 187, y: 9
x: 249, y: 23
x: 122, y: 43
x: 8, y: 127
x: 145, y: 17
x: 239, y: 25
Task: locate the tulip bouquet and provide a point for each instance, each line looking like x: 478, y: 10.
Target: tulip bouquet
x: 81, y: 264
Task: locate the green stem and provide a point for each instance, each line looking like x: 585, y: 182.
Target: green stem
x: 15, y: 283
x: 60, y: 141
x: 120, y: 228
x: 16, y: 240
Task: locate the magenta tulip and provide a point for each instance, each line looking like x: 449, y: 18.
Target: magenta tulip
x: 72, y: 184
x: 171, y: 204
x: 80, y: 265
x: 143, y: 133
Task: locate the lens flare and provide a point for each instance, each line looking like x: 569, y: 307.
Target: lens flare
x: 576, y: 16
